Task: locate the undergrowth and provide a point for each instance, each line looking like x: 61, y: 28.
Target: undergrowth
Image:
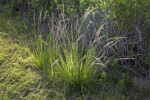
x: 60, y: 66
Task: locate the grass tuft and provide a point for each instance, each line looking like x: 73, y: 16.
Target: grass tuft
x: 76, y: 70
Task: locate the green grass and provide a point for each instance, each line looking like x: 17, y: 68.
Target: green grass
x: 52, y: 71
x: 46, y: 55
x: 76, y: 70
x: 19, y: 77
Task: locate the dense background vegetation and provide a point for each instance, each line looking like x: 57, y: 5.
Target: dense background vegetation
x: 82, y: 41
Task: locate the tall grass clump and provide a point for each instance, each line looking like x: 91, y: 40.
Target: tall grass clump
x: 77, y: 69
x: 45, y: 54
x: 69, y: 55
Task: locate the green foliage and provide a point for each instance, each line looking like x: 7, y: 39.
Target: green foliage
x: 71, y: 7
x: 46, y: 54
x: 125, y: 81
x: 104, y: 75
x: 86, y: 5
x: 129, y: 14
x: 122, y: 83
x: 145, y: 90
x: 1, y: 59
x: 128, y: 10
x: 105, y: 58
x: 75, y: 68
x: 135, y: 81
x: 115, y: 65
x: 64, y: 61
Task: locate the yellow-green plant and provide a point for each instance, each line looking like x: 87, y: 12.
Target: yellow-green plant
x: 76, y: 70
x: 70, y: 56
x: 46, y: 55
